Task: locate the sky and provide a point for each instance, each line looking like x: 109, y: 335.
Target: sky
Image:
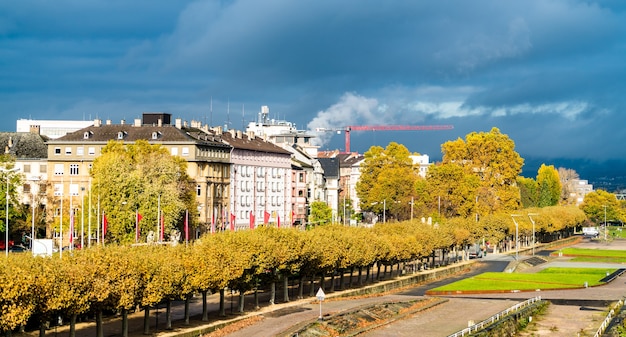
x: 550, y: 74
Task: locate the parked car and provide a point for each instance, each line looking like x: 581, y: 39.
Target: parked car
x: 475, y: 252
x: 17, y: 249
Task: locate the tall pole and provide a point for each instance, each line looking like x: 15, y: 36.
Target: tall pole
x: 533, y: 222
x: 158, y: 233
x: 605, y: 229
x: 384, y: 210
x: 516, y: 236
x: 6, y: 220
x: 61, y: 220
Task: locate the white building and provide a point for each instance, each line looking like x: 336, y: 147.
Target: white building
x: 51, y: 128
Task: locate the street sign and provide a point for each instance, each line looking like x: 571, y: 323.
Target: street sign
x: 320, y: 295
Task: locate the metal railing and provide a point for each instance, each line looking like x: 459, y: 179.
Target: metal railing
x: 481, y: 325
x: 608, y: 319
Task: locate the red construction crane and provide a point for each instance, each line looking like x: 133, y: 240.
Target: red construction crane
x: 347, y: 129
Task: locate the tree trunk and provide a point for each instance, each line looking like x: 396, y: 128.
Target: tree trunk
x: 273, y: 292
x: 341, y: 279
x: 124, y: 322
x: 187, y: 300
x: 146, y: 320
x: 42, y: 328
x: 222, y: 307
x: 242, y: 297
x: 73, y: 325
x: 301, y: 287
x: 99, y: 324
x: 205, y: 311
x: 285, y: 288
x: 360, y: 275
x: 168, y: 315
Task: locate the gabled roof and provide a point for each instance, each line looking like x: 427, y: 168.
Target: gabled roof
x: 131, y: 133
x: 330, y: 166
x: 24, y: 145
x: 243, y: 141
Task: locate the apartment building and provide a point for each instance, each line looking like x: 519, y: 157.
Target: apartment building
x: 71, y: 157
x: 261, y: 181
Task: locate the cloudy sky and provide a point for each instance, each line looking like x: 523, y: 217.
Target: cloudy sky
x: 551, y: 74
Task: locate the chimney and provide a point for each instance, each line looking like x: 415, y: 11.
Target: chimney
x: 36, y: 129
x: 137, y: 122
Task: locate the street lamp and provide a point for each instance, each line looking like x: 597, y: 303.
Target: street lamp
x: 605, y: 229
x: 6, y: 221
x: 516, y: 236
x: 533, y: 222
x: 32, y: 231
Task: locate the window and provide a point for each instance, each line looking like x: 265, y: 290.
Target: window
x: 57, y: 150
x: 73, y: 169
x: 80, y: 151
x: 68, y: 150
x: 58, y: 189
x: 91, y: 150
x: 58, y: 169
x: 74, y: 189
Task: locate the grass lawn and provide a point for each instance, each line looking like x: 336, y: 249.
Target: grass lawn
x: 549, y: 278
x: 593, y: 253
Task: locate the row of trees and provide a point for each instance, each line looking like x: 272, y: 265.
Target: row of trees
x: 123, y: 277
x: 478, y: 176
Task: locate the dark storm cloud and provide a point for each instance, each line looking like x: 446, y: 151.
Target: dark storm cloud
x: 550, y: 74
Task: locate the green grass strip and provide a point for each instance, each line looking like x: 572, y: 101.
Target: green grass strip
x: 553, y: 278
x: 593, y: 252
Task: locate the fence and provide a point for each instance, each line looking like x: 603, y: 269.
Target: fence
x: 608, y: 319
x: 479, y: 326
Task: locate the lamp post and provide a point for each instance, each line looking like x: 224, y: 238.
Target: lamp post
x: 32, y: 231
x: 533, y: 222
x: 516, y: 236
x: 6, y: 221
x: 605, y: 229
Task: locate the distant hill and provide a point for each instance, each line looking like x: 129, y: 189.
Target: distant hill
x: 608, y: 175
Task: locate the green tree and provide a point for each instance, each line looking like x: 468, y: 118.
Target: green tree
x: 141, y: 178
x: 599, y: 203
x: 388, y: 179
x: 549, y: 186
x: 321, y: 213
x: 528, y: 191
x: 491, y: 156
x: 452, y: 192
